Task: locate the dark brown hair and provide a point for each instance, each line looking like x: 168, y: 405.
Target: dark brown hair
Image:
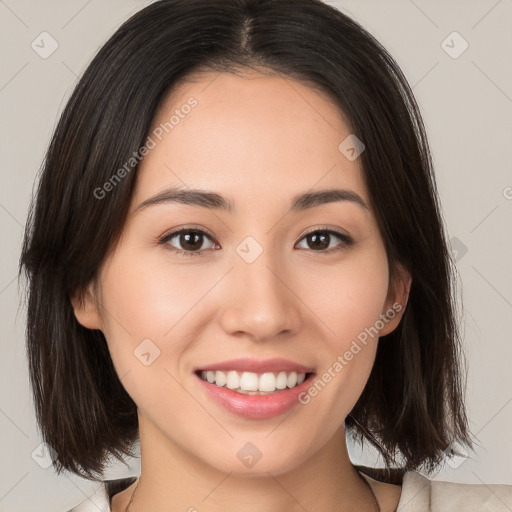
x: 413, y: 403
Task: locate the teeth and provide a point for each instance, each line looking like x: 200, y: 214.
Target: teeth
x: 250, y: 383
x: 232, y: 380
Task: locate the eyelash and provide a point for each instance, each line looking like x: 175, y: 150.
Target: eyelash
x: 347, y: 241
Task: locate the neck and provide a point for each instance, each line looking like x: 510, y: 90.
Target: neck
x: 174, y: 479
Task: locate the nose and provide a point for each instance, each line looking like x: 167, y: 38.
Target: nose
x: 259, y: 301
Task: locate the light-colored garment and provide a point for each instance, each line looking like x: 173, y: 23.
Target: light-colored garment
x: 419, y: 494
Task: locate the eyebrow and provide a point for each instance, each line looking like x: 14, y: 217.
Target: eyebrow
x: 212, y: 200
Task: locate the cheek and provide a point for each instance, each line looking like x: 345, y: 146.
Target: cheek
x: 347, y: 298
x: 348, y: 303
x: 145, y: 306
x: 147, y: 296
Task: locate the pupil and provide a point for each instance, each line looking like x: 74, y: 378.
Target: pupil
x: 189, y: 240
x: 315, y: 238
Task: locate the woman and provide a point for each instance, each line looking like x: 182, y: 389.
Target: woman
x: 236, y: 256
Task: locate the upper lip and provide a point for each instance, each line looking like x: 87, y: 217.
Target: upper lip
x: 258, y: 366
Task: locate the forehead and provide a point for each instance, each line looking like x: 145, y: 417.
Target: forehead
x: 254, y: 133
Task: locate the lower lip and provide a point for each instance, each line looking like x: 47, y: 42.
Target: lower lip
x: 256, y: 406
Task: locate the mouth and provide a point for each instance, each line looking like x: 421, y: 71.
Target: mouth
x: 255, y: 396
x: 252, y: 383
x: 255, y: 388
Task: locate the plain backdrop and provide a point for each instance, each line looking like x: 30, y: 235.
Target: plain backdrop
x: 465, y: 95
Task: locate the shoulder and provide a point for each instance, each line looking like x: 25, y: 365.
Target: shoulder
x: 97, y: 502
x: 100, y: 500
x: 422, y: 494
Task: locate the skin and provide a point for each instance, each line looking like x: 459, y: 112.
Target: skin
x: 257, y: 140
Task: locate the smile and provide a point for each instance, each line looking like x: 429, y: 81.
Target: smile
x: 251, y: 383
x: 269, y: 394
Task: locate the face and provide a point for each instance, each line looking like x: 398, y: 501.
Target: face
x: 259, y: 280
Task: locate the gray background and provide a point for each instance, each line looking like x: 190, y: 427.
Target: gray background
x: 467, y: 105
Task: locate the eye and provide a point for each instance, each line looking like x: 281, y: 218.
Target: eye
x: 320, y: 240
x: 191, y: 241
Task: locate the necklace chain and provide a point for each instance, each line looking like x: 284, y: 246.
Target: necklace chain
x: 377, y: 507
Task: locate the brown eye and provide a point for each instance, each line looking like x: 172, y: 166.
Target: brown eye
x: 191, y: 241
x: 321, y: 240
x: 187, y: 241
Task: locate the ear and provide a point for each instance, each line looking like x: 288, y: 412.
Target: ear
x: 85, y: 306
x: 396, y: 300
